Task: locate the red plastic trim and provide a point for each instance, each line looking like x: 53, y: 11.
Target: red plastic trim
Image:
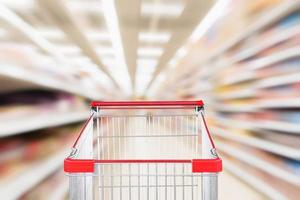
x: 147, y: 103
x: 87, y: 166
x: 206, y: 165
x: 78, y: 165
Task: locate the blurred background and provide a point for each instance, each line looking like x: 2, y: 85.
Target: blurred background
x: 242, y: 57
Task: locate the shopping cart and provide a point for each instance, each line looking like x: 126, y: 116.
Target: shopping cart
x: 144, y: 150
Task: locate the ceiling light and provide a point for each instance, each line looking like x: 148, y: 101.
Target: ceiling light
x: 162, y: 9
x: 157, y: 37
x: 17, y: 4
x: 105, y: 51
x: 146, y: 63
x: 111, y: 18
x: 57, y: 34
x: 150, y: 51
x: 51, y: 33
x: 97, y: 35
x: 109, y: 62
x: 69, y: 49
x: 83, y: 6
x: 218, y: 10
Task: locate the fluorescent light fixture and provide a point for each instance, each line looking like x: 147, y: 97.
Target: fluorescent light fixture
x: 162, y: 9
x: 83, y: 6
x: 97, y: 35
x: 111, y: 18
x: 51, y: 33
x: 155, y: 37
x: 146, y: 63
x: 109, y: 62
x: 105, y: 51
x: 57, y: 34
x: 81, y: 60
x: 218, y: 10
x: 68, y: 49
x: 18, y: 5
x: 150, y: 51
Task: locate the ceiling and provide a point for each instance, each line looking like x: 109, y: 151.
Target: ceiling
x: 123, y: 47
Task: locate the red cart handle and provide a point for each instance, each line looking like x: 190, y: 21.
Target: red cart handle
x: 147, y: 103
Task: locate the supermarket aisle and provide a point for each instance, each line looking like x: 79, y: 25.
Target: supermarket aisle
x: 242, y: 57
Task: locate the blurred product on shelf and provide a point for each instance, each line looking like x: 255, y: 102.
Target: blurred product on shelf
x: 252, y: 76
x: 38, y: 153
x: 35, y: 109
x: 55, y: 186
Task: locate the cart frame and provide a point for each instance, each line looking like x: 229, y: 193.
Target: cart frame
x: 82, y: 168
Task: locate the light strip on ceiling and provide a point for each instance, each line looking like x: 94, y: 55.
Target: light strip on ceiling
x: 97, y: 35
x: 111, y: 18
x: 218, y: 10
x: 162, y: 9
x: 155, y: 37
x: 150, y: 51
x: 68, y: 49
x: 57, y: 34
x: 83, y: 6
x: 146, y: 63
x: 17, y: 4
x: 105, y: 51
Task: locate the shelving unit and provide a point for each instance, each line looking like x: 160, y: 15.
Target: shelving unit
x: 36, y: 121
x: 34, y: 174
x: 245, y: 66
x: 253, y: 94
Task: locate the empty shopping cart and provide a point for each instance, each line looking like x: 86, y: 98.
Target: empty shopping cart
x: 144, y: 150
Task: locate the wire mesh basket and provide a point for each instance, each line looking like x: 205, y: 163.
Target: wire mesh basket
x: 144, y: 150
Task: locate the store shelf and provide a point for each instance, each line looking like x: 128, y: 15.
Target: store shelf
x: 234, y: 108
x: 261, y: 124
x: 229, y: 80
x: 253, y: 181
x: 242, y: 93
x: 272, y: 147
x: 274, y: 58
x: 258, y: 104
x: 278, y: 81
x: 259, y: 164
x: 32, y: 176
x: 279, y: 103
x: 267, y: 18
x: 276, y: 38
x: 41, y: 120
x: 48, y: 81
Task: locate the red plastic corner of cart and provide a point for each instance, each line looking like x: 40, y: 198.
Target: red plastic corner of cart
x: 206, y: 165
x: 79, y: 165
